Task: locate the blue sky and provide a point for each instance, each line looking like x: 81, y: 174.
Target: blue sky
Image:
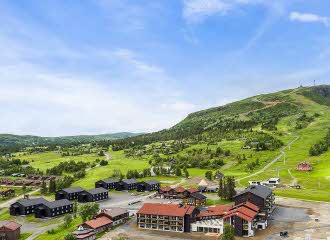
x: 89, y: 67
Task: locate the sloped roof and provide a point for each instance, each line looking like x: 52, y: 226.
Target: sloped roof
x: 110, y: 180
x: 242, y: 212
x: 11, y: 226
x: 73, y: 189
x: 248, y: 205
x: 259, y: 190
x: 165, y: 189
x: 203, y: 183
x: 165, y: 209
x: 98, y: 222
x: 32, y: 202
x: 179, y: 189
x: 152, y: 182
x: 58, y: 203
x: 197, y: 195
x: 114, y: 212
x: 97, y: 190
x: 129, y: 181
x: 214, y: 211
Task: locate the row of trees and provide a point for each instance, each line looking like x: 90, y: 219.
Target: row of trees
x: 227, y: 188
x: 321, y: 146
x: 68, y: 167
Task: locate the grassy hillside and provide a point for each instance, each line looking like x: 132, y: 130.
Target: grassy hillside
x: 253, y: 131
x: 238, y: 139
x: 8, y: 141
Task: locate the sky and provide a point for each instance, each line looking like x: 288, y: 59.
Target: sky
x: 105, y: 66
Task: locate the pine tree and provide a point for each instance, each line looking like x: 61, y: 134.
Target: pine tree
x: 52, y: 186
x: 220, y: 190
x: 43, y: 188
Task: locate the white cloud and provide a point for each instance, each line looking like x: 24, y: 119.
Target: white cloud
x: 195, y: 11
x: 309, y: 18
x: 131, y: 57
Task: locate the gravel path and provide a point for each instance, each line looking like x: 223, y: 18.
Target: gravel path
x: 269, y: 164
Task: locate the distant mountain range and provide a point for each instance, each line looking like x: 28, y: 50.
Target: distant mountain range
x: 9, y: 140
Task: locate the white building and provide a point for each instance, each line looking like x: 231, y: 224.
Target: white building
x: 208, y: 226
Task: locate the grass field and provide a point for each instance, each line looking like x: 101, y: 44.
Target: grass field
x: 117, y: 162
x: 60, y: 232
x: 45, y: 160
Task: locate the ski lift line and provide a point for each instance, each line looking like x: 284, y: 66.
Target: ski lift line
x: 271, y: 163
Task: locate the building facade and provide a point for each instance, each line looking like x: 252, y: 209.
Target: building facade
x: 26, y: 207
x: 117, y: 215
x: 68, y: 193
x: 53, y: 209
x: 10, y: 231
x: 109, y: 183
x: 166, y: 217
x: 151, y: 185
x: 126, y: 185
x: 93, y: 195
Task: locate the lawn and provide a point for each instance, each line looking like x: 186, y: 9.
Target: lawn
x: 117, y: 162
x: 60, y: 232
x: 45, y: 160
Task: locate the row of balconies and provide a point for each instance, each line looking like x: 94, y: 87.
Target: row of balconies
x: 162, y: 223
x: 159, y: 217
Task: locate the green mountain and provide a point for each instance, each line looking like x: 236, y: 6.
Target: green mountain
x: 244, y: 137
x: 10, y: 140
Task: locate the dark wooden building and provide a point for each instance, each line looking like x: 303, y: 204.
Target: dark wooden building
x: 166, y: 217
x: 53, y: 209
x: 126, y: 185
x: 10, y: 231
x: 151, y: 185
x: 194, y: 199
x: 26, y: 207
x: 69, y: 193
x: 93, y: 195
x: 259, y: 195
x: 109, y: 183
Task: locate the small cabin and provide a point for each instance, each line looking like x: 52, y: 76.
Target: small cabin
x: 304, y: 167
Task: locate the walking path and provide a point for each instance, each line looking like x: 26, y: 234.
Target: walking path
x: 270, y: 163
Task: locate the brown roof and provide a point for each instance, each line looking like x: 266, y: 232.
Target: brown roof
x: 192, y: 190
x: 242, y: 212
x: 215, y: 211
x: 165, y: 189
x: 113, y: 212
x: 98, y: 222
x: 166, y: 209
x: 248, y: 205
x: 11, y: 226
x: 180, y: 189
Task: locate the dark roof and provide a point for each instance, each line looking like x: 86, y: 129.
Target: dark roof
x: 32, y: 202
x: 197, y: 195
x: 201, y: 188
x: 259, y: 190
x: 151, y: 182
x: 73, y: 189
x: 58, y: 203
x: 97, y: 190
x: 109, y: 180
x: 129, y: 181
